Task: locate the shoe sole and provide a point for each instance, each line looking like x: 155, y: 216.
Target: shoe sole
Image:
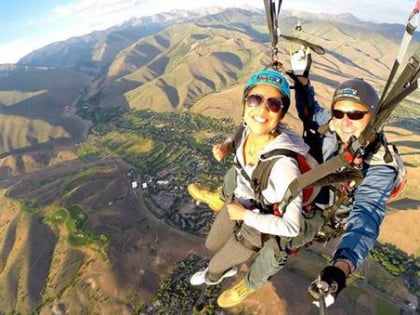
x: 230, y: 273
x: 231, y: 304
x: 198, y: 197
x: 197, y: 284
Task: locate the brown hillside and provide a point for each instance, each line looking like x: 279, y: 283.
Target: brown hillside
x: 400, y: 227
x: 197, y: 67
x: 205, y: 66
x: 187, y: 64
x: 118, y: 277
x: 39, y: 111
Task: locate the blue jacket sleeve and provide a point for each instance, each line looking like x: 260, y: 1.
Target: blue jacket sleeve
x: 308, y: 108
x: 365, y: 218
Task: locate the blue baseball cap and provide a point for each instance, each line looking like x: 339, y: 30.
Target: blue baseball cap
x: 273, y: 78
x: 269, y: 77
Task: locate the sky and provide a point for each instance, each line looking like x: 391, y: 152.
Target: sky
x: 26, y: 25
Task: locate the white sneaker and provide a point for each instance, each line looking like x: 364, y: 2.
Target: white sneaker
x: 200, y: 278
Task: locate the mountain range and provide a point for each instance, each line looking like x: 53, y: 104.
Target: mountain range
x: 63, y: 98
x: 173, y: 62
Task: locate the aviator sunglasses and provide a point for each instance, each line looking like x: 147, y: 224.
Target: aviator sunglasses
x: 353, y: 115
x: 273, y: 104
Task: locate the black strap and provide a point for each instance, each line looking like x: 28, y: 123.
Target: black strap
x: 311, y: 134
x: 241, y: 239
x: 272, y: 23
x: 261, y: 173
x: 270, y: 11
x: 312, y: 176
x: 272, y: 16
x: 339, y: 177
x: 407, y: 83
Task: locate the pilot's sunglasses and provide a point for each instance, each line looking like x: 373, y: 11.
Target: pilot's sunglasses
x: 353, y: 115
x: 273, y: 104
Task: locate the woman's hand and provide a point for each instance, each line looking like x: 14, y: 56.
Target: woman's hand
x: 221, y: 150
x: 236, y: 211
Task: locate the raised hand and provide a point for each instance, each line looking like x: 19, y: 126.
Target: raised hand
x: 301, y: 61
x: 221, y: 150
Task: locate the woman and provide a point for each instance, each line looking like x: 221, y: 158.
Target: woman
x: 242, y: 226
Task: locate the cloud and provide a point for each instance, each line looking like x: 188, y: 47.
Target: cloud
x: 153, y: 6
x: 15, y: 50
x: 84, y: 16
x: 40, y: 22
x: 87, y: 12
x: 93, y: 8
x: 390, y: 11
x: 91, y: 15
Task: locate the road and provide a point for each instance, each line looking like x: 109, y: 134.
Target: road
x: 137, y: 196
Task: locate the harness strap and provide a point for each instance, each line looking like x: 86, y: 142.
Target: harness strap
x: 340, y: 177
x: 312, y: 176
x: 408, y: 34
x: 241, y: 239
x: 406, y: 75
x: 262, y: 173
x: 272, y: 23
x: 405, y: 85
x: 278, y: 244
x: 270, y: 11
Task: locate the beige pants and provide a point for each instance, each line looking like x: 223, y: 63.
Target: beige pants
x: 227, y: 251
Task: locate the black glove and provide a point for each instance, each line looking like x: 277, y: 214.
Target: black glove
x: 330, y: 282
x: 301, y: 61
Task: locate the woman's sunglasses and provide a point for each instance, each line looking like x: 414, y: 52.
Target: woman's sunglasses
x: 273, y: 104
x: 353, y: 115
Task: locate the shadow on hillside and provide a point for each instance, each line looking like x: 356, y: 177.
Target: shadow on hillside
x: 111, y: 95
x: 8, y: 242
x: 5, y: 172
x: 43, y: 107
x: 207, y: 82
x: 412, y: 124
x: 408, y: 143
x: 378, y: 60
x: 43, y: 153
x: 405, y: 204
x: 159, y: 65
x: 170, y: 91
x: 349, y: 62
x: 31, y: 260
x: 325, y: 81
x: 334, y: 70
x: 41, y: 96
x: 240, y: 27
x: 230, y: 58
x: 35, y: 109
x: 396, y: 133
x: 41, y: 245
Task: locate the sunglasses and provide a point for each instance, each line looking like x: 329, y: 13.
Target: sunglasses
x: 273, y: 104
x: 353, y: 115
